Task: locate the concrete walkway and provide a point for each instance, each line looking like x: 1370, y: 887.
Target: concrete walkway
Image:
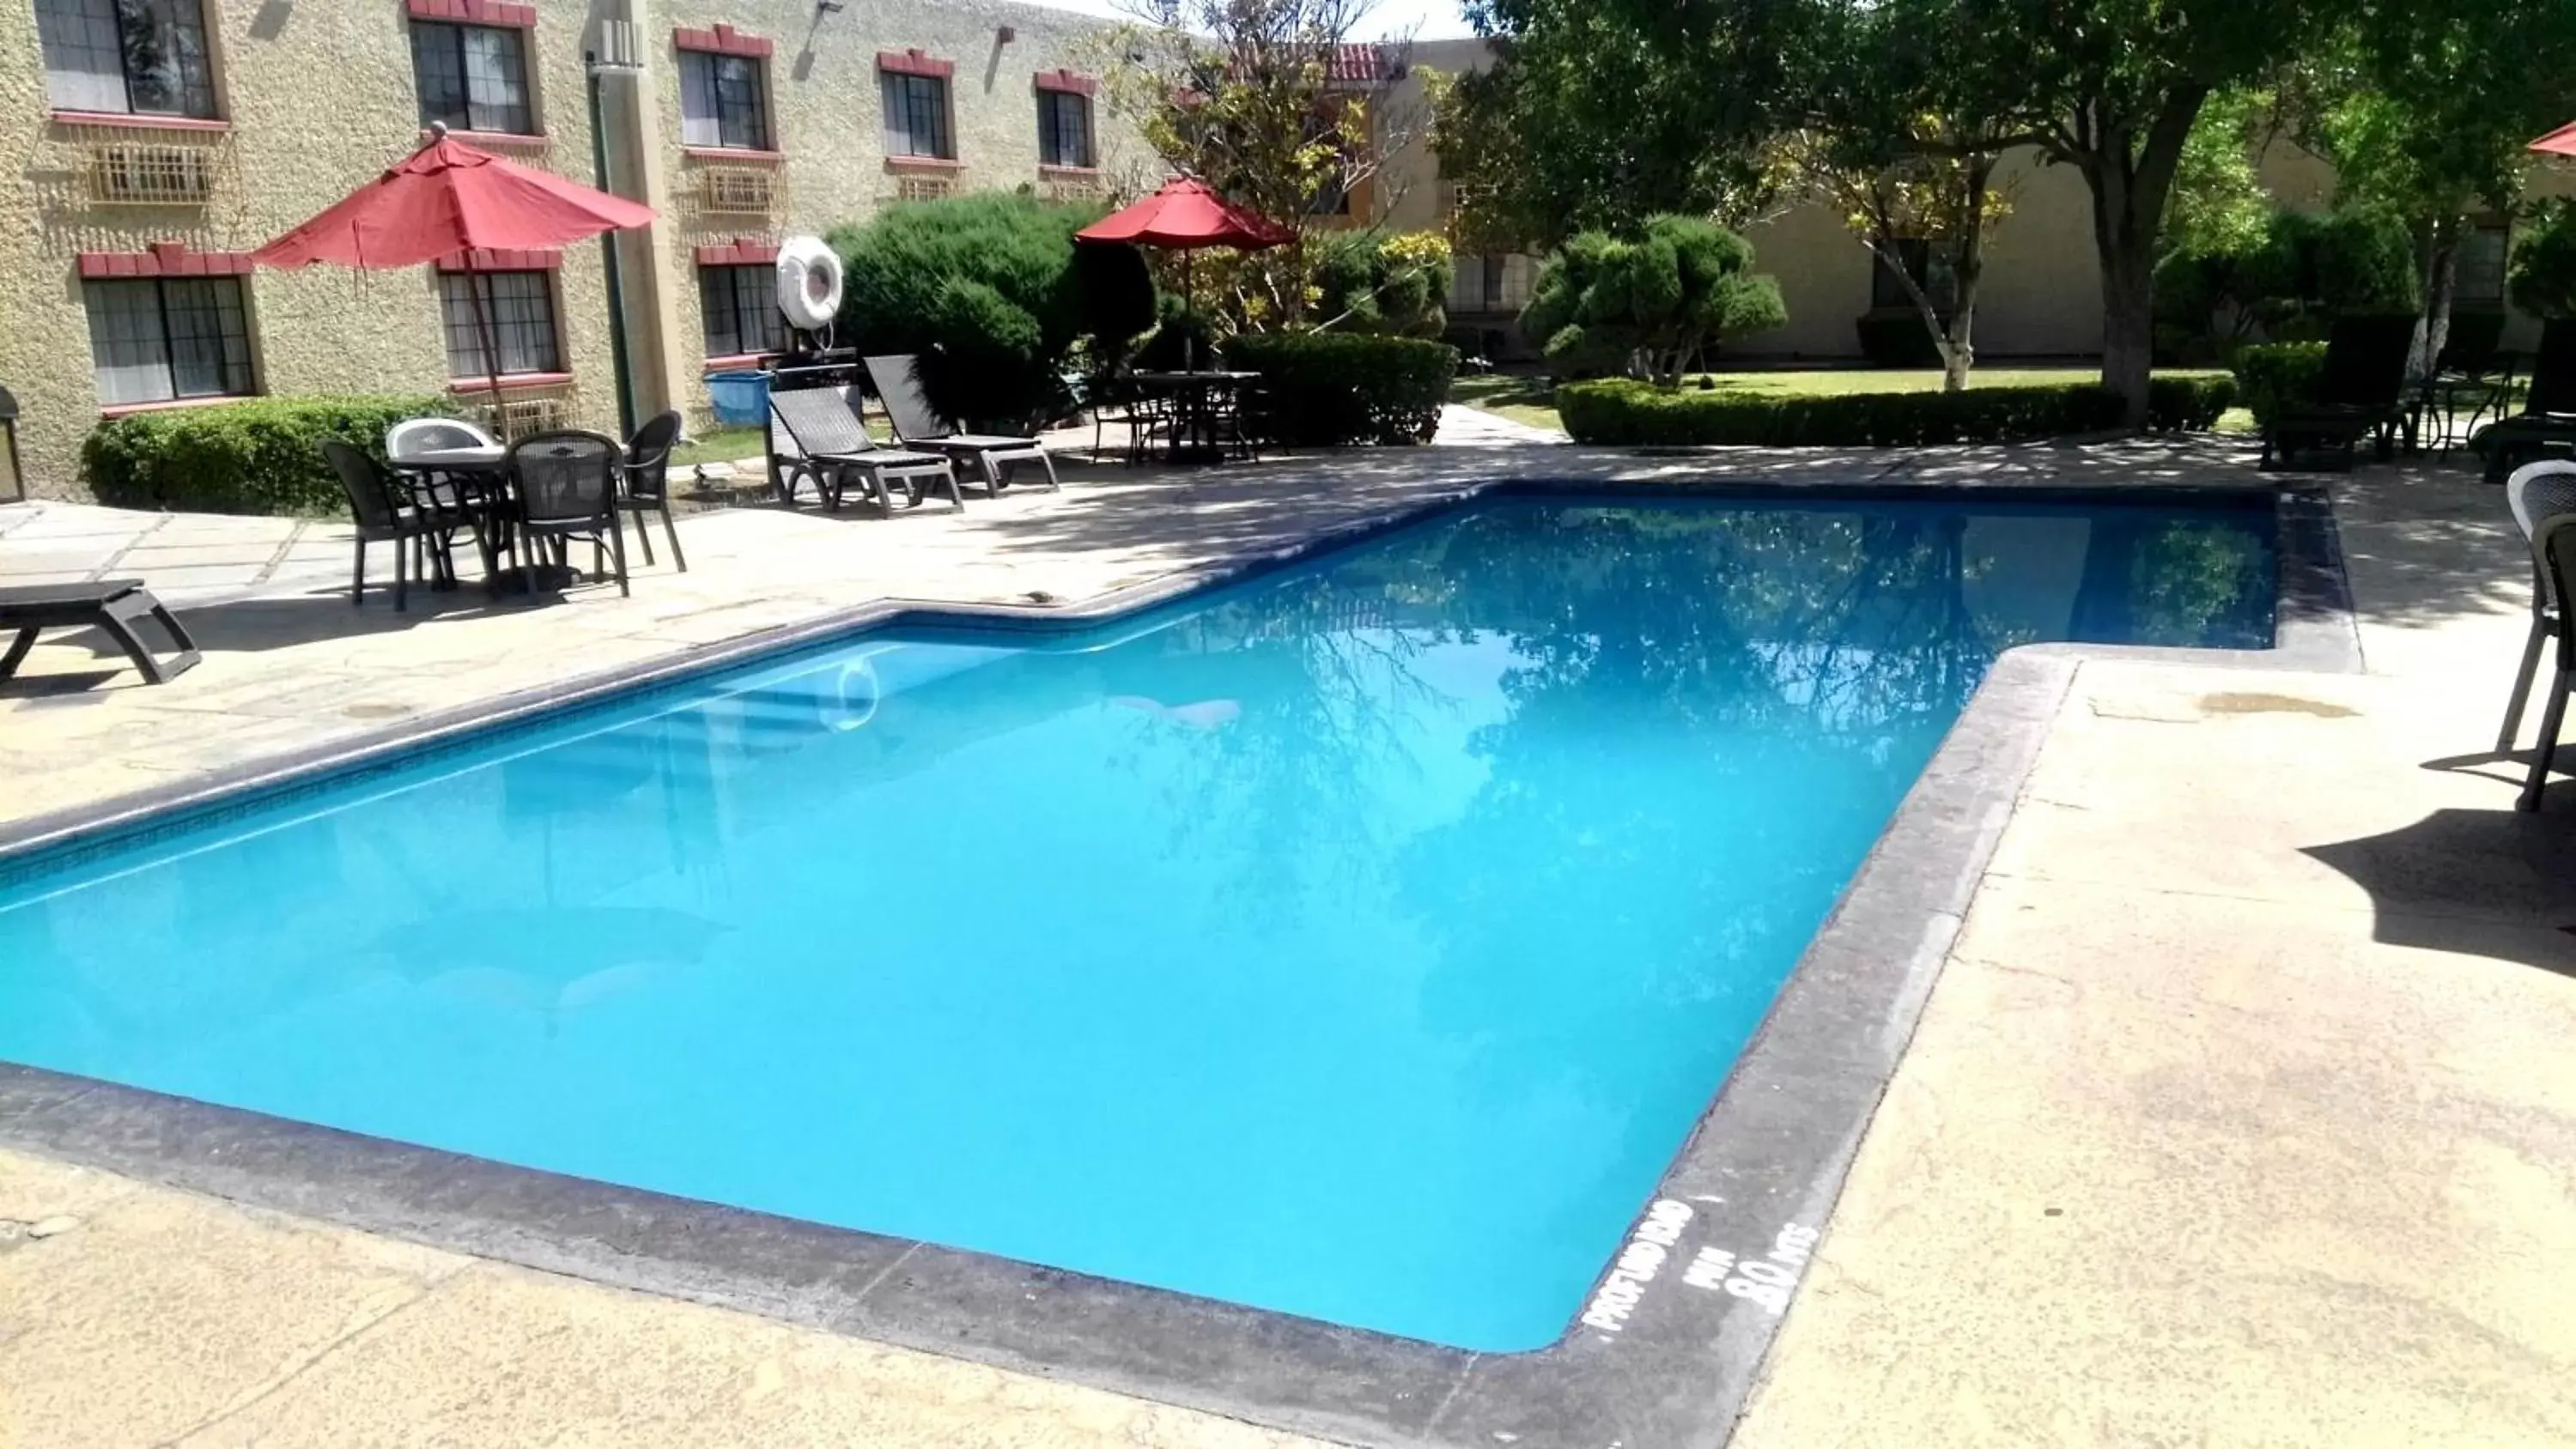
x: 2241, y: 1115
x: 2244, y: 1111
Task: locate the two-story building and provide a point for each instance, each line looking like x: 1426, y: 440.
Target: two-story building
x: 155, y: 143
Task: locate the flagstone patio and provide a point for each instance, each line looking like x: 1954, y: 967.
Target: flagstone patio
x: 2239, y: 1115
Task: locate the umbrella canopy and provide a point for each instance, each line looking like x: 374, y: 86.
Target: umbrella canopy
x: 1184, y: 216
x: 2561, y: 142
x: 448, y: 198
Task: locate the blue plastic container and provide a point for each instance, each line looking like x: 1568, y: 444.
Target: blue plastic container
x: 739, y: 397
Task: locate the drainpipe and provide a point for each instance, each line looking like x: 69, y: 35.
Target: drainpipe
x: 608, y: 255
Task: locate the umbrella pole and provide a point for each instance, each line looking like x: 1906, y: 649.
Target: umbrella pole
x: 474, y: 284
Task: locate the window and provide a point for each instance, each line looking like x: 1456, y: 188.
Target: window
x: 2478, y: 284
x: 1064, y: 128
x: 722, y: 102
x: 158, y: 339
x: 523, y: 322
x: 1931, y: 270
x: 472, y: 77
x: 916, y: 116
x: 740, y: 308
x: 130, y: 56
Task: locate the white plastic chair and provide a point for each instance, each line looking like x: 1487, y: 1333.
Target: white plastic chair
x: 414, y: 436
x: 2537, y: 492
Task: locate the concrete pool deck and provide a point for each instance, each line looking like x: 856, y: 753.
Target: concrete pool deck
x: 2299, y: 1107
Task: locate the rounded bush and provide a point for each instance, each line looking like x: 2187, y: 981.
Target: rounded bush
x: 1326, y: 389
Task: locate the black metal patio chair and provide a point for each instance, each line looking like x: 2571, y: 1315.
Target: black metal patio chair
x: 385, y: 512
x: 645, y: 484
x: 897, y: 383
x: 2536, y: 493
x: 2555, y: 550
x: 566, y: 488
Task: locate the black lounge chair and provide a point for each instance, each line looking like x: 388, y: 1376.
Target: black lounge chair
x: 644, y: 486
x: 2547, y: 422
x: 2360, y: 394
x: 115, y: 605
x: 832, y: 445
x: 897, y: 382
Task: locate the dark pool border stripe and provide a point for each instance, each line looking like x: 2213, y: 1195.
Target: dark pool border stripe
x: 1677, y: 1339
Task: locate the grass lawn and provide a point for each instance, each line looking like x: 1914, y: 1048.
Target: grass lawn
x: 1532, y: 400
x: 721, y: 445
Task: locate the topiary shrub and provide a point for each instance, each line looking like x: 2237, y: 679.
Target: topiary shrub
x: 1667, y: 296
x: 262, y: 455
x: 2189, y: 403
x: 1393, y: 284
x: 2275, y: 377
x: 1625, y: 412
x: 985, y: 289
x: 1326, y: 389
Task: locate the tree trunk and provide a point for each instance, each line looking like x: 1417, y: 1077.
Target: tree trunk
x: 2441, y: 285
x: 1958, y: 349
x: 1954, y: 364
x: 2130, y: 177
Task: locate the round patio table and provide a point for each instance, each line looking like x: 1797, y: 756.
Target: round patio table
x: 480, y: 476
x: 1200, y: 399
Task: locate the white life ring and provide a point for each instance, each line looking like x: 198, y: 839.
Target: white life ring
x: 809, y: 283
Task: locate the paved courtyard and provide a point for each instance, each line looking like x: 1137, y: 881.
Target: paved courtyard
x: 2241, y: 1113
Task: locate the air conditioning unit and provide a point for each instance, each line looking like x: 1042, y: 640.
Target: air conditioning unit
x: 1069, y: 190
x: 924, y: 188
x: 517, y: 417
x: 136, y: 173
x: 737, y: 190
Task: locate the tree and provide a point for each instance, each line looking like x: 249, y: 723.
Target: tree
x: 1253, y: 98
x: 1652, y: 302
x: 1592, y: 117
x: 2424, y: 107
x: 1906, y: 158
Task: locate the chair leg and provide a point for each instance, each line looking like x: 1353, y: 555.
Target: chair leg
x: 617, y: 545
x: 643, y: 533
x: 670, y: 530
x: 18, y: 648
x: 402, y: 581
x: 1046, y: 460
x: 358, y: 576
x: 118, y: 621
x: 2546, y: 749
x: 2540, y: 631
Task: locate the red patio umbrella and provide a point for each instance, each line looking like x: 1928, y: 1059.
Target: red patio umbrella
x: 1183, y: 216
x: 2561, y: 142
x: 445, y: 199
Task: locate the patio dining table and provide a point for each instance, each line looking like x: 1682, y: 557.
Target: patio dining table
x: 481, y: 477
x: 1201, y: 399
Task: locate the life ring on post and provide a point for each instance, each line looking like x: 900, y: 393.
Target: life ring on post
x: 809, y: 283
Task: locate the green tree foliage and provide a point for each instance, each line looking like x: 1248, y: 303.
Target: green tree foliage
x: 2299, y: 273
x: 1368, y: 282
x: 985, y: 288
x: 1595, y: 116
x: 2424, y: 107
x: 1651, y: 302
x: 1241, y: 95
x: 2219, y: 205
x: 2543, y: 278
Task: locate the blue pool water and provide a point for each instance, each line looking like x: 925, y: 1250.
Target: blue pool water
x: 1361, y: 941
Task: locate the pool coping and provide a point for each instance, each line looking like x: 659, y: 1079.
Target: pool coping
x: 1673, y: 1336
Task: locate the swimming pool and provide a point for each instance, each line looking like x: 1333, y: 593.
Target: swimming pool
x: 1358, y: 942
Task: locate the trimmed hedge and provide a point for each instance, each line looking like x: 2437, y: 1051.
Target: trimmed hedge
x: 262, y: 455
x: 1326, y: 389
x: 1625, y: 412
x: 2277, y: 376
x: 2188, y: 404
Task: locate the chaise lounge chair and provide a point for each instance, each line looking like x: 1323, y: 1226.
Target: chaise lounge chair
x: 898, y: 384
x: 831, y: 445
x: 2547, y: 421
x: 2359, y: 396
